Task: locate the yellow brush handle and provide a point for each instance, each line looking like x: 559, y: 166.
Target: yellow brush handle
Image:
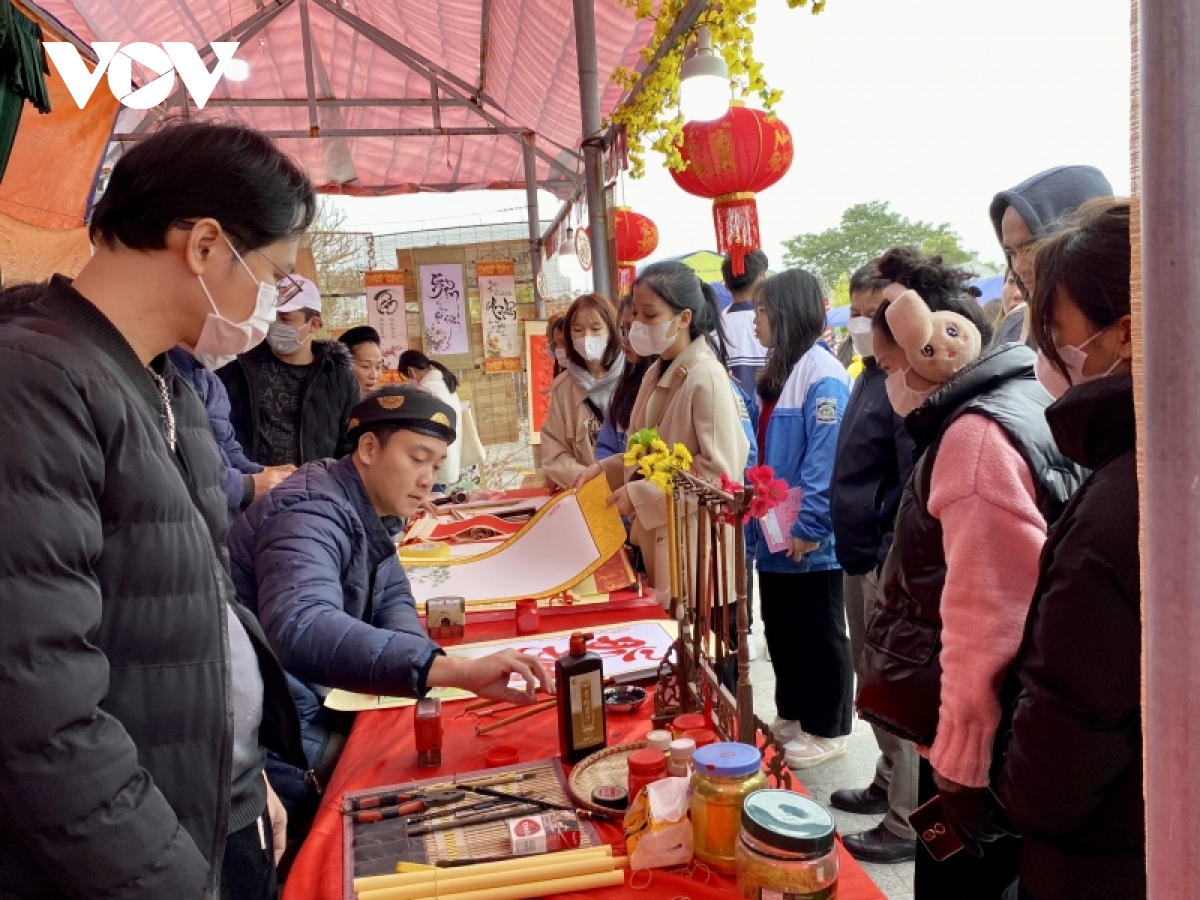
x: 520, y: 863
x: 485, y: 884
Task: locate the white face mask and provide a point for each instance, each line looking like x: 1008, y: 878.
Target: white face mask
x: 285, y: 339
x: 221, y: 337
x: 1055, y: 383
x: 591, y: 347
x: 560, y: 354
x: 904, y: 399
x: 651, y: 340
x: 212, y: 363
x: 860, y: 334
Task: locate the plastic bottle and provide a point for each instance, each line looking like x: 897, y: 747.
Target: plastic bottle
x: 682, y: 751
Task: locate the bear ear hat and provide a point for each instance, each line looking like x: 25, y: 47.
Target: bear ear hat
x: 911, y: 321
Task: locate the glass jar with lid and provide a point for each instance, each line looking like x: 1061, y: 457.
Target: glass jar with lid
x: 786, y: 849
x: 726, y: 773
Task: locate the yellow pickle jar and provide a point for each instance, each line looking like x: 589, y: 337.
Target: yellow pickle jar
x: 787, y: 849
x: 725, y: 775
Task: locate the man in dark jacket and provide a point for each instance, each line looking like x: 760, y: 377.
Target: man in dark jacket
x: 874, y: 460
x: 315, y: 562
x: 135, y: 691
x: 290, y: 397
x: 244, y: 479
x: 1034, y: 207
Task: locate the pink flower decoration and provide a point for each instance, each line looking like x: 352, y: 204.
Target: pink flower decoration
x: 729, y: 485
x: 776, y: 491
x: 759, y: 507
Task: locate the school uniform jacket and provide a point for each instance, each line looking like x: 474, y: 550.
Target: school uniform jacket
x: 801, y: 445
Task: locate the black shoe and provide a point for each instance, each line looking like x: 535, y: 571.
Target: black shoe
x: 880, y: 846
x: 868, y: 802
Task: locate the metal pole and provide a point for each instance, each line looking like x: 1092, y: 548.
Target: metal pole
x: 1170, y: 128
x: 593, y: 153
x: 531, y: 208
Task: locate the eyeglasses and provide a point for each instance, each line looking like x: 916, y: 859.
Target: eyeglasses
x: 288, y: 286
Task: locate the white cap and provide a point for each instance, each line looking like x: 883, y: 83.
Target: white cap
x: 308, y: 298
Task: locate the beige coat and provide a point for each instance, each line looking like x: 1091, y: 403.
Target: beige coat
x: 569, y: 432
x: 693, y: 404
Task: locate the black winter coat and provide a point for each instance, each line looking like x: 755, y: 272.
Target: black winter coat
x: 1072, y: 779
x: 329, y: 394
x: 116, y: 726
x: 874, y: 460
x: 901, y: 682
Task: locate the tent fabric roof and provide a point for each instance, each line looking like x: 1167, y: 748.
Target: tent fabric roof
x: 503, y: 64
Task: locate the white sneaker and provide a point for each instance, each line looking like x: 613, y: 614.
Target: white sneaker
x: 753, y: 651
x: 808, y: 751
x: 786, y: 730
x: 766, y: 651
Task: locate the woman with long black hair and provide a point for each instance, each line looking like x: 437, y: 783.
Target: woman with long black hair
x: 803, y: 391
x: 443, y: 384
x: 686, y: 396
x: 613, y: 435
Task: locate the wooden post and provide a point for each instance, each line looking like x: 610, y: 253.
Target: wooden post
x: 1169, y: 32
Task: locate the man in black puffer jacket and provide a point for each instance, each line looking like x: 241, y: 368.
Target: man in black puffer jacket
x: 290, y: 397
x: 135, y: 692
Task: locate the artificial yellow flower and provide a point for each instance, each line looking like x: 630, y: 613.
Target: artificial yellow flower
x: 664, y: 482
x: 658, y: 446
x: 633, y: 454
x: 684, y: 457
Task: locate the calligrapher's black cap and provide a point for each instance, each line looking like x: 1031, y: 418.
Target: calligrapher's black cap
x: 404, y: 406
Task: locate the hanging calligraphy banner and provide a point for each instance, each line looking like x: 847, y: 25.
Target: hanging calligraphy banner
x: 445, y: 310
x: 539, y: 377
x: 385, y: 313
x: 498, y: 309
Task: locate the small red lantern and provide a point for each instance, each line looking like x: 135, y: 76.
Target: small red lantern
x: 730, y: 160
x: 637, y: 238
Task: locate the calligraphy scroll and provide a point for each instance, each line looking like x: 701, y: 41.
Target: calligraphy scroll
x: 498, y: 309
x: 385, y: 313
x: 445, y: 308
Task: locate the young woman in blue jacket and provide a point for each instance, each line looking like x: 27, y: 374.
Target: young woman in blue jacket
x: 803, y: 392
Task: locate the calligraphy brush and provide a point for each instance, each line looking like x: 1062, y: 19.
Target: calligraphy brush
x: 533, y: 801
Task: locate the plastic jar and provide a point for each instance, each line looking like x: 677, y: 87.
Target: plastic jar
x: 786, y: 848
x: 682, y: 751
x: 687, y: 722
x: 726, y: 774
x: 659, y: 740
x: 645, y: 767
x: 703, y: 737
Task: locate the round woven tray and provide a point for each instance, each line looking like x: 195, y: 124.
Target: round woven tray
x: 610, y: 766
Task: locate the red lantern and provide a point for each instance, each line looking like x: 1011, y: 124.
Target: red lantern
x: 637, y: 238
x: 730, y: 160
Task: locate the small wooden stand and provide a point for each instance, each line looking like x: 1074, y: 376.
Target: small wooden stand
x: 700, y: 520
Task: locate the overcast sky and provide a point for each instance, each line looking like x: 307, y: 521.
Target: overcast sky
x: 931, y: 105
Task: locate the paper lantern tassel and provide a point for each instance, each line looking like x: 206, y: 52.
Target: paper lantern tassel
x: 736, y: 219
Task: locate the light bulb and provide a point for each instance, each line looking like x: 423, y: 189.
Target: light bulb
x: 704, y: 82
x: 238, y: 69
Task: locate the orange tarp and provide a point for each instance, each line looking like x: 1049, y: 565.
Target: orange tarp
x: 44, y: 194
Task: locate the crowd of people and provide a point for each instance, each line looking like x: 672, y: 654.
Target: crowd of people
x: 209, y: 495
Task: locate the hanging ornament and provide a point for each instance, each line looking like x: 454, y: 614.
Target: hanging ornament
x: 730, y: 160
x: 637, y: 238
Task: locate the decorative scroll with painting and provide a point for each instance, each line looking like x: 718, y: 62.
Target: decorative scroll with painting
x: 445, y: 310
x: 386, y: 313
x: 498, y: 310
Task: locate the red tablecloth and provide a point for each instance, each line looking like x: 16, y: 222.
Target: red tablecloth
x: 380, y: 752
